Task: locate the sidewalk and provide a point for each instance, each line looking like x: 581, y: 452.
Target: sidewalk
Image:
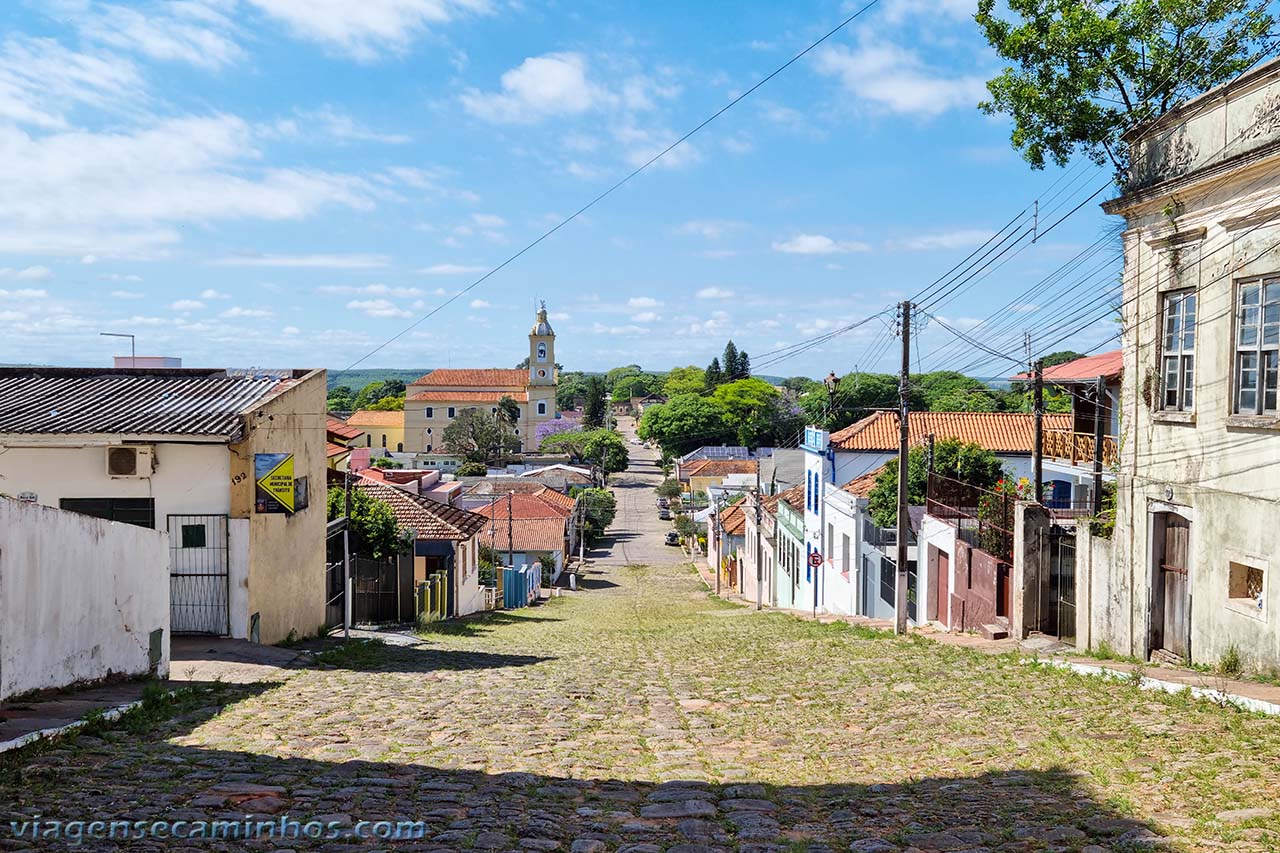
x: 193, y: 660
x: 1248, y: 695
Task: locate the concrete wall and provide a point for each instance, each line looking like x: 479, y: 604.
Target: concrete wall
x: 79, y: 598
x: 1030, y: 572
x: 286, y: 576
x: 1103, y: 600
x: 1213, y: 465
x: 938, y: 537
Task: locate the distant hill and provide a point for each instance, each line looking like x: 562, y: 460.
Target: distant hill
x: 357, y: 379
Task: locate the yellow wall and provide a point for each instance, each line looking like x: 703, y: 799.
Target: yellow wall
x: 286, y: 577
x: 374, y: 435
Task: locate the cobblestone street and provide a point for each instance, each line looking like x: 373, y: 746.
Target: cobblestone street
x: 643, y: 715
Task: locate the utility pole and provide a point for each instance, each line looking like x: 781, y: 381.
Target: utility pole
x: 759, y: 546
x: 713, y: 530
x: 930, y: 458
x: 904, y: 447
x: 346, y: 557
x: 1038, y: 374
x: 1100, y: 411
x: 510, y: 555
x: 582, y: 532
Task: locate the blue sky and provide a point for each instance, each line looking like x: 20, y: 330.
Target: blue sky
x: 292, y: 182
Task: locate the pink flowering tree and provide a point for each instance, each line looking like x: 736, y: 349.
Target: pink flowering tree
x: 555, y: 427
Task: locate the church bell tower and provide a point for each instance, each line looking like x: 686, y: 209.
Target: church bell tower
x: 542, y: 351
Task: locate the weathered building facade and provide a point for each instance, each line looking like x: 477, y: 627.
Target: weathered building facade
x: 1197, y: 543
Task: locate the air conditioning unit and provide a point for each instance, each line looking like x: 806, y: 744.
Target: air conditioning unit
x: 129, y: 461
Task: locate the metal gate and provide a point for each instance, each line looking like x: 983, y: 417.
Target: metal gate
x: 1058, y: 617
x: 199, y: 579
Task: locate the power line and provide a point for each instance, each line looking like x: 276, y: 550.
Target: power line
x: 617, y: 185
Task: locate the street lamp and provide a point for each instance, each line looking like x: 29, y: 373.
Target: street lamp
x: 133, y: 350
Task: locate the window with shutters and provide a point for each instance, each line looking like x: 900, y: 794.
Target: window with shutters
x: 1257, y: 366
x: 1177, y: 356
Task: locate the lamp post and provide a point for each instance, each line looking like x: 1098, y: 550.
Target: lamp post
x: 133, y: 349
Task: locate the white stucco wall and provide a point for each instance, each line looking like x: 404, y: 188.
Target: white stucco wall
x: 942, y: 536
x: 79, y: 598
x: 840, y: 591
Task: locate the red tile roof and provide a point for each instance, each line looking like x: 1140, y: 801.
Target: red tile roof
x: 429, y: 519
x: 793, y: 497
x: 734, y: 520
x: 466, y: 396
x: 717, y: 467
x: 331, y: 450
x: 1000, y: 432
x: 860, y: 487
x: 526, y: 506
x: 369, y: 417
x: 338, y: 428
x: 462, y: 377
x: 527, y: 534
x: 1108, y: 365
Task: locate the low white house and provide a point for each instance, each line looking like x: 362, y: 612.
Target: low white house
x: 81, y: 599
x: 185, y: 451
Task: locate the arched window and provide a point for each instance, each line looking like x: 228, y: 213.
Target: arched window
x: 542, y: 407
x: 399, y: 447
x: 429, y: 412
x: 384, y: 439
x: 542, y: 351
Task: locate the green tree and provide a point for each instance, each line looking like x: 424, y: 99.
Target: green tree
x: 967, y: 462
x: 374, y: 528
x: 858, y: 394
x: 729, y: 362
x: 595, y: 412
x: 478, y: 437
x: 509, y: 412
x: 377, y: 390
x: 569, y: 386
x: 638, y: 385
x: 1084, y: 73
x: 950, y: 391
x: 684, y: 423
x: 685, y: 380
x: 714, y: 374
x: 1053, y: 359
x: 669, y: 489
x: 605, y: 449
x: 472, y: 469
x: 341, y: 399
x: 388, y: 404
x: 800, y: 384
x: 617, y: 374
x: 753, y: 408
x: 599, y: 509
x: 572, y: 443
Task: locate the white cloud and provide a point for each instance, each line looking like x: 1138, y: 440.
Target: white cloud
x: 24, y: 293
x: 116, y: 193
x: 554, y: 84
x: 640, y: 145
x: 370, y: 290
x: 193, y: 32
x: 818, y: 244
x: 89, y: 260
x: 959, y: 239
x: 36, y: 273
x: 329, y: 123
x: 366, y: 29
x: 237, y: 311
x: 126, y: 294
x: 714, y: 293
x: 210, y: 293
x: 479, y: 303
x: 380, y: 308
x: 643, y: 302
x: 115, y: 276
x: 488, y: 220
x: 187, y: 305
x: 710, y: 229
x: 625, y: 331
x: 290, y: 330
x: 900, y: 10
x: 452, y: 269
x: 40, y: 79
x: 338, y: 262
x: 896, y: 79
x: 645, y: 317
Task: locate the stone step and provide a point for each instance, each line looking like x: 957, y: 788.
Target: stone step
x: 995, y: 632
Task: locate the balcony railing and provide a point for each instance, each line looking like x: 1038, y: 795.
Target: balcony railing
x: 982, y: 519
x: 1078, y: 448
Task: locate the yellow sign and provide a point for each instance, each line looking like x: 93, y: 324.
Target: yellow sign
x: 277, y: 483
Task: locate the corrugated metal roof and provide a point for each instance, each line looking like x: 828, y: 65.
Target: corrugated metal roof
x: 137, y: 402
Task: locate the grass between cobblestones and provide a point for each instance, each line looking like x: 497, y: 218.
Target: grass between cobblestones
x: 650, y: 713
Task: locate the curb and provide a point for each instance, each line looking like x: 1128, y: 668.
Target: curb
x: 108, y: 714
x: 1245, y: 703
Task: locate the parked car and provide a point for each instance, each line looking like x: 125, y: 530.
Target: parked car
x: 663, y: 503
x: 664, y: 514
x: 673, y: 538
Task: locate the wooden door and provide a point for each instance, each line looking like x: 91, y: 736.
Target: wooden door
x: 1176, y: 628
x: 942, y: 589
